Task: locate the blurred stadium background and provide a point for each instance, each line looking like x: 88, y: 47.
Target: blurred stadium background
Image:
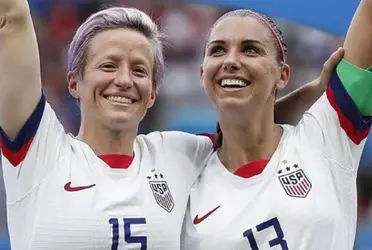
x: 182, y: 104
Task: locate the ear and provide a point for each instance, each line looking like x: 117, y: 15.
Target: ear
x: 285, y: 74
x: 152, y: 98
x: 201, y: 75
x: 73, y: 84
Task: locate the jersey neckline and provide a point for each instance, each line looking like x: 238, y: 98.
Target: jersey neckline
x: 260, y: 168
x: 117, y: 161
x: 252, y: 168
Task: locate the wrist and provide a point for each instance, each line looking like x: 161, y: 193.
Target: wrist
x: 318, y: 86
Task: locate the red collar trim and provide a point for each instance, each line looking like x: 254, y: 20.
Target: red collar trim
x: 251, y: 169
x: 117, y: 161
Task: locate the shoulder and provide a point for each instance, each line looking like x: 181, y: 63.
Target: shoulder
x: 195, y: 147
x: 176, y: 138
x: 288, y: 131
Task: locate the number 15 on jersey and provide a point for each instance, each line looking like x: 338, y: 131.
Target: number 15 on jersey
x: 128, y: 238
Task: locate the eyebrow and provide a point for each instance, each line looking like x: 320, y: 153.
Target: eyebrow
x: 114, y: 57
x: 244, y: 42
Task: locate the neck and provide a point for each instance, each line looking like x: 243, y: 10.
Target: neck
x: 104, y: 140
x: 254, y: 139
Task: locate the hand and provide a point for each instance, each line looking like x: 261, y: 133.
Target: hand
x: 329, y: 67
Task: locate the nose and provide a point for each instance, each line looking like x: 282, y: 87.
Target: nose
x: 232, y: 62
x: 123, y: 79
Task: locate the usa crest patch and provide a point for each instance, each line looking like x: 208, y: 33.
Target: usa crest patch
x: 294, y: 181
x: 160, y: 190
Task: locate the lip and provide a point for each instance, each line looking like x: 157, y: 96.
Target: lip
x: 135, y: 99
x: 233, y: 89
x: 233, y: 77
x: 119, y: 103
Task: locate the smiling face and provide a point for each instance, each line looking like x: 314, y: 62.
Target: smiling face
x: 240, y: 71
x: 116, y: 88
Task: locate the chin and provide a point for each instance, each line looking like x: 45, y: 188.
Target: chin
x: 234, y: 103
x: 121, y: 121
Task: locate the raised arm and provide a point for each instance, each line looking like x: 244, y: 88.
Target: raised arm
x: 290, y: 108
x: 20, y: 80
x: 355, y: 71
x: 358, y: 41
x: 357, y: 51
x: 339, y: 122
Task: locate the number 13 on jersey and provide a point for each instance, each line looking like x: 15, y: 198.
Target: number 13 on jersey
x: 278, y: 240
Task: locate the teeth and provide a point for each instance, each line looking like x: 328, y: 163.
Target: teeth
x: 120, y: 99
x: 233, y: 82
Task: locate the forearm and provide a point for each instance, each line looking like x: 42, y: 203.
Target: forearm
x: 290, y: 108
x: 20, y: 79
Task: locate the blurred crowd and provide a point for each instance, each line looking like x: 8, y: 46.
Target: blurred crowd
x: 185, y: 26
x: 181, y: 104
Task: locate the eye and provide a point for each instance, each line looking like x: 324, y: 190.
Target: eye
x: 251, y: 50
x: 140, y: 71
x: 108, y: 66
x: 216, y: 50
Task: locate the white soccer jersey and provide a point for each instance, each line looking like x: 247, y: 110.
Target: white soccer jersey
x: 61, y: 196
x: 303, y: 198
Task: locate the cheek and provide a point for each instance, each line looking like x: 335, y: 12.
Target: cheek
x: 102, y: 80
x: 99, y: 78
x: 265, y: 71
x: 146, y: 88
x: 210, y: 91
x: 93, y: 84
x: 209, y: 72
x: 269, y: 79
x: 211, y: 68
x: 87, y: 98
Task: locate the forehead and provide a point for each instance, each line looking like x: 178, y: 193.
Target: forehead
x: 121, y: 43
x: 240, y: 28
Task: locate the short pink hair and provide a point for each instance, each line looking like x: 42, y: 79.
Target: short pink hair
x: 114, y: 18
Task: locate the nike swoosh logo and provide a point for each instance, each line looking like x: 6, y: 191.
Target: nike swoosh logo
x: 69, y: 188
x: 197, y: 220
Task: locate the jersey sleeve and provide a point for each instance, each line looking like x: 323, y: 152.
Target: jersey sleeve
x: 28, y: 159
x: 197, y: 148
x: 335, y: 126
